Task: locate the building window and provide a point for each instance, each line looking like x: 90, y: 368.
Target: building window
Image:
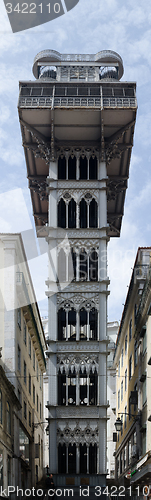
x: 25, y: 410
x: 126, y: 345
x: 135, y: 313
x: 29, y: 383
x: 122, y: 425
x: 121, y: 462
x: 25, y: 372
x: 125, y: 417
x: 122, y: 390
x: 8, y: 470
x: 19, y: 358
x: 40, y: 412
x: 126, y: 379
x: 33, y: 394
x: 135, y: 354
x: 19, y: 317
x: 25, y: 333
x: 118, y: 399
x: 29, y: 418
x: 37, y: 402
x: 29, y: 346
x: 129, y: 451
x: 144, y: 343
x: 130, y: 330
x: 1, y: 408
x: 122, y: 358
x: 40, y: 380
x: 8, y: 418
x: 37, y: 371
x: 144, y: 392
x: 33, y: 359
x: 135, y: 405
x: 129, y: 408
x: 130, y: 367
x: 19, y: 395
x: 124, y: 458
x: 119, y: 369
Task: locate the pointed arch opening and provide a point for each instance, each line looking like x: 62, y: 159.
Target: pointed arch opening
x: 72, y: 168
x: 62, y: 266
x: 93, y: 324
x: 93, y: 266
x: 62, y: 459
x: 61, y: 168
x: 93, y: 214
x: 83, y: 324
x: 93, y: 166
x: 72, y: 214
x: 83, y: 265
x: 62, y: 214
x: 83, y: 214
x: 83, y: 166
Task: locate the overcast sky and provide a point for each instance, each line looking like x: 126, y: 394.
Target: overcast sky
x: 91, y: 26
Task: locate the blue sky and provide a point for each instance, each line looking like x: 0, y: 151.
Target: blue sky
x: 88, y: 28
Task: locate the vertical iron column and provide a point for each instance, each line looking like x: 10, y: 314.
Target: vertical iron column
x: 52, y: 315
x: 103, y: 293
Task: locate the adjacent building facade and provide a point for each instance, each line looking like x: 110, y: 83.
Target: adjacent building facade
x: 77, y: 121
x: 23, y: 345
x: 132, y: 361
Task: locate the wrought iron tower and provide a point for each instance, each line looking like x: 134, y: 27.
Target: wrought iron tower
x: 77, y: 121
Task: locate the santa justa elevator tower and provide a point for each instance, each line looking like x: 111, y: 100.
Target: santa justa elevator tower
x: 77, y: 120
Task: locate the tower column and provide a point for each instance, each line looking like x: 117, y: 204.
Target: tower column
x: 103, y: 292
x: 52, y: 315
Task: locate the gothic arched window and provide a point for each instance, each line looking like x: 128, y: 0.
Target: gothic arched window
x: 93, y: 266
x: 93, y: 214
x: 83, y: 324
x: 83, y: 214
x: 83, y: 458
x: 62, y: 266
x: 62, y: 459
x: 61, y: 388
x: 72, y: 324
x: 93, y: 459
x: 72, y: 214
x: 93, y: 324
x: 93, y: 388
x: 61, y: 324
x: 62, y: 214
x: 83, y: 168
x: 83, y: 266
x: 61, y: 167
x: 72, y: 168
x: 93, y: 168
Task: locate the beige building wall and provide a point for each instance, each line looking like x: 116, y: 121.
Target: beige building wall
x: 23, y: 345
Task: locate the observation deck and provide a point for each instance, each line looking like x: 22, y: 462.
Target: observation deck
x: 78, y: 102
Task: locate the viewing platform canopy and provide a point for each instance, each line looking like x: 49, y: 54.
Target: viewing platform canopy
x: 52, y: 65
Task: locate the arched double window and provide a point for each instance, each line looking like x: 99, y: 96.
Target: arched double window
x: 88, y: 324
x: 88, y: 214
x: 66, y: 324
x: 77, y: 266
x: 67, y: 214
x: 77, y: 389
x: 82, y: 325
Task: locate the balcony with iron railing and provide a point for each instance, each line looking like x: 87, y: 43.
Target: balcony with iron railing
x: 77, y: 96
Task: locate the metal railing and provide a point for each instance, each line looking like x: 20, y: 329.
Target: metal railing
x: 67, y: 102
